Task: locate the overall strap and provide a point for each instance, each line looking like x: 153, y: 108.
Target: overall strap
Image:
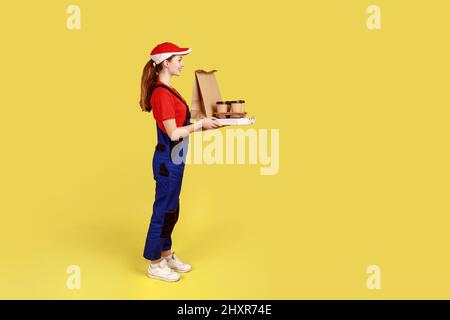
x: 173, y: 92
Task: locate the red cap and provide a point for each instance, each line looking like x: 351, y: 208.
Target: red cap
x: 165, y: 50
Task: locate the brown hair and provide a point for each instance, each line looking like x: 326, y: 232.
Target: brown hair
x: 148, y: 80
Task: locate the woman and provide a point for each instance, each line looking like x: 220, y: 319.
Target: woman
x: 173, y: 128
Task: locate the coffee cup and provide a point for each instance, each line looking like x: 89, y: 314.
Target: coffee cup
x: 222, y: 106
x: 237, y: 106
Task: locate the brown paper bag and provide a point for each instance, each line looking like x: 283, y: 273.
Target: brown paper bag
x: 205, y: 94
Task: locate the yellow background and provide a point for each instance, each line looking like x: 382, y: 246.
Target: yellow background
x: 363, y: 178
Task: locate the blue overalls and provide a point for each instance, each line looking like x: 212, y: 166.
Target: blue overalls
x: 168, y: 173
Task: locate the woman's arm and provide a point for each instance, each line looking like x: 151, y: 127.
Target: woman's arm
x: 175, y: 133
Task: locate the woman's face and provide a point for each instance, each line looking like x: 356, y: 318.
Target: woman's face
x: 175, y: 65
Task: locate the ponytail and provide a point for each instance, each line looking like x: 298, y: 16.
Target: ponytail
x: 148, y: 82
x: 149, y: 77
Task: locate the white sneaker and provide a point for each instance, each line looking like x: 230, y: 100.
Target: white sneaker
x: 176, y: 264
x: 161, y: 271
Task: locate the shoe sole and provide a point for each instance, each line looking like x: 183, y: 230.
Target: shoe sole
x: 161, y: 278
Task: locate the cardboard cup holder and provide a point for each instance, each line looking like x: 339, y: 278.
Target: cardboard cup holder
x: 228, y: 115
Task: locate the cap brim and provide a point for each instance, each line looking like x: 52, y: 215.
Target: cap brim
x: 184, y: 51
x: 158, y: 58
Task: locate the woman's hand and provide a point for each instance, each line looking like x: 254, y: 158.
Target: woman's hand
x: 210, y: 123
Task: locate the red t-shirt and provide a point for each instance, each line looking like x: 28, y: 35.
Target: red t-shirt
x: 166, y: 106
